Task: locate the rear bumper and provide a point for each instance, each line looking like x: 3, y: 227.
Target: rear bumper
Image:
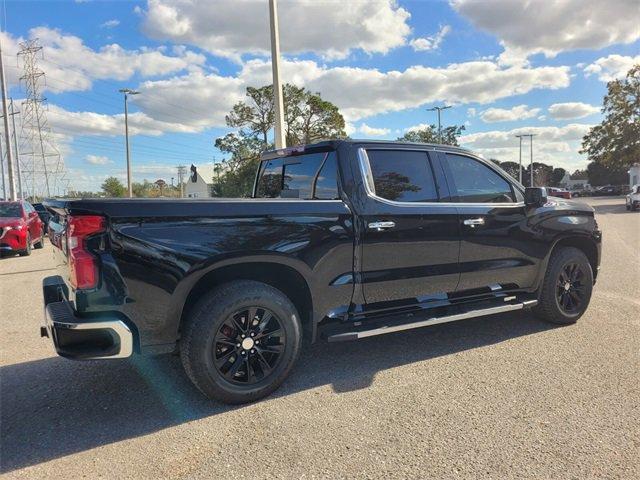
x: 81, y: 338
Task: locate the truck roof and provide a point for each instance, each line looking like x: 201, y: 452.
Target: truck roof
x: 334, y: 144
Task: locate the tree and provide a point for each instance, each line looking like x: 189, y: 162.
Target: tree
x: 600, y: 175
x: 557, y: 174
x: 541, y: 174
x: 308, y: 118
x: 112, y: 187
x: 512, y: 168
x: 615, y: 143
x: 579, y: 175
x: 429, y: 134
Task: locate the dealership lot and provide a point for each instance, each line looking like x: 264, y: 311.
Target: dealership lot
x: 501, y: 397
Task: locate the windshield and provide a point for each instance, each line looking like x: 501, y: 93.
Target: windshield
x: 10, y: 210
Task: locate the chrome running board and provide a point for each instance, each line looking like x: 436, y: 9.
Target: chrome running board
x: 355, y: 335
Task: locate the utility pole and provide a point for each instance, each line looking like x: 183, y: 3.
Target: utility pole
x: 127, y: 92
x: 17, y: 151
x: 530, y: 137
x: 181, y: 171
x: 280, y: 140
x: 5, y: 114
x: 439, y: 109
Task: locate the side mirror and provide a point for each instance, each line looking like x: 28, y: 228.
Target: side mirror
x: 535, y: 196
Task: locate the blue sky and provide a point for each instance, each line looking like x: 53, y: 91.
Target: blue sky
x: 506, y: 67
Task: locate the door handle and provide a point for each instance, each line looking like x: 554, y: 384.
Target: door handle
x: 381, y: 226
x: 473, y: 222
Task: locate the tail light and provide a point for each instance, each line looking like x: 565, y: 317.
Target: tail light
x: 82, y: 264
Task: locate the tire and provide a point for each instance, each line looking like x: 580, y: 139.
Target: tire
x: 40, y: 243
x: 27, y: 251
x: 212, y: 343
x: 559, y: 303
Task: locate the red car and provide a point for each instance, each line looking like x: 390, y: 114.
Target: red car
x: 20, y: 228
x: 558, y: 192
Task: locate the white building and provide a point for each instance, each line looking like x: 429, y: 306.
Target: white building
x: 570, y: 184
x: 203, y: 185
x: 634, y: 175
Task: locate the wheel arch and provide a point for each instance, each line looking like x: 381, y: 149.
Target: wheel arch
x: 283, y: 277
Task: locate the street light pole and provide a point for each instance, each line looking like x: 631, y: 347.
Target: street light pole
x: 439, y: 109
x: 531, y: 153
x: 530, y: 136
x: 520, y: 159
x: 127, y: 92
x: 280, y: 139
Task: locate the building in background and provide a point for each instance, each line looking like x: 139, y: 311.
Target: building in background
x: 205, y: 179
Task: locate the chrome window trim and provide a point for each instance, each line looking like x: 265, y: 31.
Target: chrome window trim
x: 367, y: 178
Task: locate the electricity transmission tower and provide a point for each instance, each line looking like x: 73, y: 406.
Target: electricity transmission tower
x: 181, y: 171
x: 42, y: 166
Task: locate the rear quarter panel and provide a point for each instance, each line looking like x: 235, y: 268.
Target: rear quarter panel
x: 152, y: 262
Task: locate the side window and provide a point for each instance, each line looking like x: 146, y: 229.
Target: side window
x: 326, y: 186
x: 270, y: 181
x: 403, y: 176
x: 474, y: 182
x: 299, y: 174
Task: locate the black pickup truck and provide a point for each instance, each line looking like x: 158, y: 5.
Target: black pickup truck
x: 342, y: 240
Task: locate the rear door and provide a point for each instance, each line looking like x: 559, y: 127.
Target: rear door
x: 496, y: 243
x: 411, y: 242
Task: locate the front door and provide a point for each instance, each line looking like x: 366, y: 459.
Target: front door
x: 411, y: 241
x: 496, y: 248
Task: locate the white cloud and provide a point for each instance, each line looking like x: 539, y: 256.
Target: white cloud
x: 519, y: 112
x: 373, y: 131
x: 90, y: 123
x: 525, y: 27
x: 97, y: 160
x: 110, y: 23
x: 471, y: 112
x: 558, y: 146
x: 432, y: 42
x: 231, y: 28
x: 611, y: 67
x: 365, y: 92
x: 71, y: 65
x: 571, y: 110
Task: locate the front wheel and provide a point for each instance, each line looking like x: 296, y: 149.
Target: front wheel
x: 27, y: 251
x: 567, y: 286
x: 40, y: 243
x: 241, y: 341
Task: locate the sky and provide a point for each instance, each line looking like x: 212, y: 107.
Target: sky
x: 505, y: 66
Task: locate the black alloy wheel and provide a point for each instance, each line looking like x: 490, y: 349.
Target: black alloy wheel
x: 571, y: 291
x: 566, y: 288
x: 249, y: 345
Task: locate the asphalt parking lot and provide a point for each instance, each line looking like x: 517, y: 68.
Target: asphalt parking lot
x: 497, y: 397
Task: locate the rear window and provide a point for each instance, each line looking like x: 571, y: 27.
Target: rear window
x: 10, y: 210
x: 309, y: 177
x: 402, y: 176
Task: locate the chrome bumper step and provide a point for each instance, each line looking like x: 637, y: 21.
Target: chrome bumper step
x: 358, y: 334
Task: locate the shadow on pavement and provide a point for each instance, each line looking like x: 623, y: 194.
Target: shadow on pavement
x: 55, y: 407
x: 612, y: 208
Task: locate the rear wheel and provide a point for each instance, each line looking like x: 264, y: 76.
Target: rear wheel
x: 241, y: 341
x: 567, y: 286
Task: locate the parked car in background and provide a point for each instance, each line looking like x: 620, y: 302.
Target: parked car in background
x: 558, y: 192
x: 43, y: 213
x: 632, y: 200
x: 21, y: 228
x: 607, y: 191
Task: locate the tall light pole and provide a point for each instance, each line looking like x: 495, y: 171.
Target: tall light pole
x: 530, y: 137
x: 439, y: 109
x: 17, y: 151
x: 127, y: 92
x: 281, y: 141
x: 5, y: 113
x: 520, y: 159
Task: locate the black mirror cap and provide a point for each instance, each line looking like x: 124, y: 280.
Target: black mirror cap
x: 535, y: 196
